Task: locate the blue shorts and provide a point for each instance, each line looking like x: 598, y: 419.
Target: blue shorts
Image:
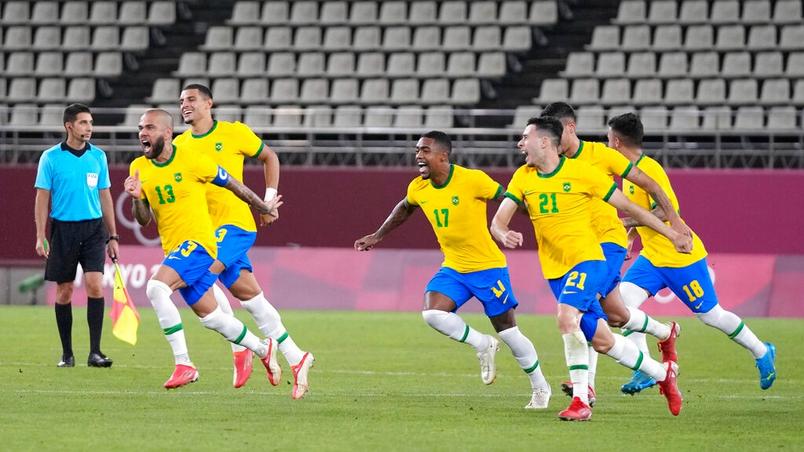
x: 615, y: 256
x: 492, y: 287
x: 191, y: 261
x: 691, y: 284
x: 580, y: 288
x: 233, y: 243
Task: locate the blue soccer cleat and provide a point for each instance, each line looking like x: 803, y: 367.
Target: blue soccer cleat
x: 639, y: 382
x: 767, y: 368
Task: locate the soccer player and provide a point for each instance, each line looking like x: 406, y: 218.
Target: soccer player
x: 172, y: 183
x: 558, y: 193
x: 454, y: 199
x: 612, y: 236
x: 659, y: 265
x: 228, y: 143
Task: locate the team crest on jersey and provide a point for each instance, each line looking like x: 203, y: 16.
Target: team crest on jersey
x: 631, y: 189
x: 177, y: 177
x: 455, y: 200
x: 567, y: 186
x: 218, y: 147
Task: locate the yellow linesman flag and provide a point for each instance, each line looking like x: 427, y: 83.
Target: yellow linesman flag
x: 125, y: 318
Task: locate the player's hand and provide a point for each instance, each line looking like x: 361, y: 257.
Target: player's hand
x: 270, y: 207
x: 682, y: 243
x: 512, y: 239
x: 42, y: 248
x: 267, y: 219
x: 133, y: 185
x: 113, y: 250
x: 679, y: 226
x: 366, y: 243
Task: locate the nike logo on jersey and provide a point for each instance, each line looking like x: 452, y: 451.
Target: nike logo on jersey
x: 506, y: 298
x: 567, y: 292
x: 172, y: 257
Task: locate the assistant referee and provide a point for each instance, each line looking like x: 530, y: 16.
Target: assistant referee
x: 75, y: 174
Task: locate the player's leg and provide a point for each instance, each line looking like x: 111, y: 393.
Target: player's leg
x: 64, y: 322
x: 446, y: 293
x: 634, y: 296
x: 92, y: 257
x: 60, y: 267
x: 693, y: 285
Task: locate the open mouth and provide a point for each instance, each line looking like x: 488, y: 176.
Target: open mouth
x: 146, y: 145
x: 423, y: 167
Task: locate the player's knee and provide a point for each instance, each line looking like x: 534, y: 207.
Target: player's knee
x: 632, y: 294
x: 713, y: 316
x: 156, y: 289
x: 616, y: 319
x: 432, y: 317
x: 603, y: 343
x: 567, y: 324
x: 64, y: 293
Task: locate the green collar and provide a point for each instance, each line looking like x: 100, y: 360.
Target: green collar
x: 172, y: 156
x: 578, y: 152
x: 561, y: 161
x: 212, y: 129
x: 449, y: 178
x: 639, y: 159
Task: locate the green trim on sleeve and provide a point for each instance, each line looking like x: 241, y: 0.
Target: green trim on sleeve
x: 611, y: 192
x: 500, y: 191
x: 513, y: 198
x: 653, y: 205
x: 214, y: 126
x: 259, y: 151
x: 627, y: 169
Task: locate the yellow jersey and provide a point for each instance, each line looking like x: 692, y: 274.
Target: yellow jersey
x: 608, y: 226
x: 656, y: 248
x: 457, y: 213
x: 559, y: 206
x: 176, y: 191
x: 227, y: 144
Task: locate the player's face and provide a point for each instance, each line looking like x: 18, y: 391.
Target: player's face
x: 614, y: 140
x: 153, y: 134
x: 567, y: 135
x: 428, y: 154
x: 528, y: 145
x: 194, y: 106
x: 81, y: 128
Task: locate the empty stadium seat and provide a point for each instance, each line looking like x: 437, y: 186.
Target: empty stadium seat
x: 711, y: 92
x: 439, y: 116
x: 344, y: 90
x: 605, y: 37
x: 282, y: 64
x: 20, y: 63
x: 46, y: 38
x: 245, y: 13
x: 782, y: 118
x: 76, y: 38
x: 584, y: 91
x: 51, y: 115
x: 288, y: 116
x: 636, y: 37
x: 756, y: 11
x: 427, y: 38
x: 164, y: 90
x: 218, y: 38
x: 377, y: 116
x: 483, y: 12
x: 435, y: 91
x: 663, y: 11
x: 762, y: 37
x: 423, y: 12
x: 21, y: 89
x: 367, y: 38
x: 254, y: 91
x: 579, y: 64
x: 491, y: 65
x: 610, y: 64
x: 83, y: 90
x: 78, y: 63
x: 394, y: 12
x: 334, y: 12
x: 284, y: 90
x: 457, y: 38
x: 251, y: 64
x: 311, y: 64
x: 307, y: 38
x: 132, y: 13
x: 787, y: 11
x: 405, y: 91
x: 275, y: 13
x: 341, y: 64
x: 678, y: 91
x: 792, y: 37
x: 631, y: 12
x: 303, y: 12
x: 18, y: 38
x: 513, y: 12
x: 45, y: 13
x: 730, y: 37
x: 717, y: 118
x: 24, y: 115
x: 768, y: 64
x: 705, y: 64
x: 654, y: 119
x: 221, y: 64
x: 736, y: 64
x: 543, y: 13
x: 743, y: 91
x: 452, y: 12
x: 673, y: 64
x: 647, y: 92
x: 51, y: 90
x: 277, y: 39
x: 16, y: 13
x: 248, y: 38
x: 401, y: 64
x: 49, y: 64
x: 685, y: 118
x: 795, y: 64
x: 363, y: 13
x: 74, y: 13
x: 135, y: 39
x: 348, y: 116
x: 314, y: 90
x: 693, y: 12
x: 431, y: 64
x: 229, y: 113
x: 699, y: 37
x: 337, y: 38
x: 318, y: 116
x: 375, y: 91
x: 725, y: 11
x: 409, y: 116
x: 103, y: 13
x: 487, y: 38
x: 775, y: 92
x: 465, y: 91
x: 225, y: 90
x: 667, y: 37
x: 590, y: 118
x: 517, y: 39
x: 749, y: 118
x: 396, y: 38
x: 371, y: 64
x: 463, y: 64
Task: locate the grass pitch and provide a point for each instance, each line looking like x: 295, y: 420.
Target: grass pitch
x: 381, y: 381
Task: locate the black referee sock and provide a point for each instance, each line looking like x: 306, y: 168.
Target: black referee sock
x: 64, y: 320
x: 95, y: 321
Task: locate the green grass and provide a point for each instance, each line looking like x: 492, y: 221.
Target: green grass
x: 381, y: 380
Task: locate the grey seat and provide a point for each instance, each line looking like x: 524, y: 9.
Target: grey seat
x: 337, y: 38
x: 257, y: 116
x: 782, y: 118
x: 288, y: 116
x: 307, y: 38
x: 743, y: 91
x: 616, y: 91
x: 222, y: 64
x: 133, y: 114
x: 798, y: 92
x: 457, y: 38
x: 311, y: 64
x: 631, y: 12
x: 254, y: 91
x: 375, y: 91
x: 554, y: 90
x: 82, y: 90
x: 132, y: 13
x: 699, y: 37
x: 76, y: 38
x: 679, y: 92
x: 711, y: 92
x: 20, y: 63
x: 462, y: 64
x: 423, y: 12
x: 513, y: 12
x: 579, y: 64
x: 363, y: 13
x: 51, y: 115
x: 439, y: 117
x: 667, y: 37
x: 663, y: 11
x: 218, y: 38
x: 591, y: 119
x: 792, y: 37
x: 16, y: 12
x: 24, y: 115
x: 49, y: 64
x: 21, y: 89
x: 78, y: 63
x: 248, y: 38
x: 517, y: 39
x: 435, y: 91
x: 673, y: 64
x: 431, y: 64
x: 409, y: 117
x: 768, y: 64
x: 47, y: 38
x: 523, y: 113
x: 452, y: 12
x: 348, y: 116
x: 605, y: 37
x: 393, y: 12
x: 371, y: 64
x: 226, y: 90
x: 543, y: 12
x: 106, y: 38
x: 74, y: 13
x: 705, y: 64
x: 405, y: 91
x: 281, y: 64
x: 636, y: 37
x: 284, y: 90
x: 693, y: 12
x: 245, y: 12
x: 725, y: 11
x: 730, y: 37
x: 762, y: 37
x: 318, y: 116
x: 377, y: 116
x: 736, y: 64
x: 686, y: 118
x: 491, y: 65
x: 749, y: 118
x: 787, y: 11
x: 315, y: 90
x: 487, y: 38
x: 344, y: 91
x: 52, y: 90
x: 648, y: 91
x: 334, y: 12
x: 483, y: 12
x: 717, y: 118
x: 45, y: 13
x: 275, y: 13
x: 610, y: 64
x: 427, y: 38
x: 795, y: 64
x: 191, y: 64
x: 401, y: 64
x: 367, y: 38
x: 584, y: 91
x: 775, y: 92
x: 341, y: 64
x: 465, y: 91
x: 278, y: 38
x: 303, y: 12
x: 18, y: 38
x: 396, y: 38
x: 251, y: 64
x: 756, y: 12
x: 229, y: 113
x: 654, y: 118
x: 103, y: 13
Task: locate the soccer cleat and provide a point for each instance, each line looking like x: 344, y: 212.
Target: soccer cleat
x: 639, y: 382
x: 566, y: 388
x: 300, y: 371
x: 668, y: 346
x: 242, y: 367
x: 767, y: 367
x: 184, y: 374
x: 669, y: 388
x: 577, y: 411
x: 540, y: 399
x: 488, y: 369
x: 66, y: 361
x: 270, y: 362
x: 99, y: 360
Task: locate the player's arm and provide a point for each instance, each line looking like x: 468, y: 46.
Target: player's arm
x: 657, y: 211
x: 270, y: 169
x: 647, y: 183
x: 140, y: 209
x: 681, y: 241
x: 402, y: 211
x: 107, y: 207
x: 41, y: 206
x: 500, y: 222
x: 246, y: 194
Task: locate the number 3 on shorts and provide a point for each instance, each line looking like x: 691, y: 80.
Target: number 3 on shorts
x: 188, y: 248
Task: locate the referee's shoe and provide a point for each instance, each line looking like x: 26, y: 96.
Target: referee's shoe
x: 98, y: 359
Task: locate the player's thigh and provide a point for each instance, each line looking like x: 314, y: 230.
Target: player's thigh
x: 615, y: 256
x: 693, y: 286
x: 645, y: 275
x: 615, y: 309
x: 580, y: 288
x: 493, y: 289
x: 446, y: 286
x: 190, y: 262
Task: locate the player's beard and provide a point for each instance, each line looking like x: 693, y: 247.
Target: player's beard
x: 156, y: 148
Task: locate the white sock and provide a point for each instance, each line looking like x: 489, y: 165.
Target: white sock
x: 643, y: 323
x: 633, y: 296
x: 169, y: 319
x: 592, y: 366
x: 449, y: 324
x: 638, y: 339
x: 234, y: 331
x: 576, y: 353
x: 525, y: 354
x: 628, y: 355
x: 226, y: 307
x: 735, y: 328
x: 270, y: 323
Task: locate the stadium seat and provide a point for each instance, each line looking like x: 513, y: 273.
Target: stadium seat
x: 47, y: 38
x: 225, y: 90
x: 543, y: 13
x: 435, y: 91
x: 21, y: 89
x: 303, y: 12
x: 513, y: 12
x: 24, y: 115
x: 164, y: 90
x: 363, y: 13
x: 487, y: 38
x: 555, y: 90
x: 288, y: 116
x: 278, y: 39
x: 51, y: 115
x: 377, y: 116
x: 439, y: 116
x: 251, y: 64
x: 245, y: 13
x: 45, y: 13
x: 616, y: 91
x: 579, y: 64
x: 218, y: 38
x: 663, y: 11
x: 337, y: 38
x: 311, y: 64
x: 394, y: 12
x: 348, y: 116
x: 749, y: 118
x: 74, y: 13
x: 275, y: 13
x: 423, y: 12
x: 693, y: 12
x: 401, y: 64
x: 51, y: 90
x: 618, y: 110
x: 221, y: 64
x: 284, y: 90
x: 462, y: 64
x: 375, y: 91
x: 517, y: 39
x: 307, y: 38
x: 135, y: 39
x: 371, y: 64
x: 132, y: 13
x: 20, y: 63
x: 717, y: 118
x: 795, y: 64
x: 367, y: 38
x: 743, y: 92
x: 678, y: 91
x: 191, y: 64
x: 647, y: 92
x: 16, y: 13
x: 699, y: 37
x: 133, y: 114
x: 18, y: 38
x: 76, y: 38
x: 254, y: 91
x: 4, y: 110
x: 711, y: 92
x: 465, y: 91
x: 257, y: 116
x: 591, y: 118
x: 787, y: 12
x: 705, y: 64
x: 636, y: 37
x: 49, y: 64
x: 610, y: 64
x: 725, y: 11
x: 686, y: 118
x: 452, y: 12
x: 730, y: 37
x: 798, y: 92
x: 248, y: 38
x: 318, y: 116
x: 654, y: 119
x: 78, y: 63
x: 396, y: 38
x: 631, y: 12
x: 427, y: 38
x: 491, y: 65
x: 762, y: 37
x: 103, y: 13
x: 334, y: 13
x: 431, y: 64
x: 756, y: 12
x: 109, y: 64
x: 775, y: 92
x: 457, y: 38
x: 83, y: 90
x: 344, y: 90
x: 736, y: 64
x: 405, y: 91
x: 229, y: 113
x: 667, y: 37
x: 605, y: 37
x: 673, y: 64
x: 341, y: 64
x: 409, y: 117
x: 483, y: 12
x: 792, y: 37
x: 782, y: 118
x: 584, y: 91
x: 768, y: 64
x: 282, y: 64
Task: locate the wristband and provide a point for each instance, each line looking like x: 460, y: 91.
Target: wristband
x: 115, y: 237
x: 270, y: 193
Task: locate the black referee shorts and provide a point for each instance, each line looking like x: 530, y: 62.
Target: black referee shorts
x: 74, y: 242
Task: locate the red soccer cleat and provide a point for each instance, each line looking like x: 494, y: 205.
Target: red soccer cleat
x: 184, y: 374
x: 300, y: 371
x: 669, y: 388
x: 566, y: 387
x: 270, y: 362
x: 242, y: 367
x: 668, y: 346
x: 577, y: 411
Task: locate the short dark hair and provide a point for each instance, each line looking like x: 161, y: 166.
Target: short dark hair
x: 72, y: 111
x: 560, y: 110
x: 201, y: 88
x: 441, y: 138
x: 548, y: 124
x: 628, y: 127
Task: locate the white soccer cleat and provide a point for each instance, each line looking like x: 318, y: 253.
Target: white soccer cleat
x: 300, y: 371
x: 540, y: 399
x: 488, y: 369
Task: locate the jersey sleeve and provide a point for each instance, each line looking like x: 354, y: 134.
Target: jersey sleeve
x: 206, y: 170
x: 599, y: 184
x: 250, y: 144
x: 43, y: 174
x: 488, y: 187
x: 515, y: 190
x: 104, y: 171
x: 410, y: 195
x: 615, y: 162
